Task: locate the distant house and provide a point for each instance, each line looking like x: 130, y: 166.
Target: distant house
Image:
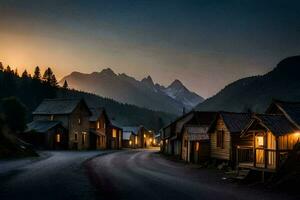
x: 129, y: 134
x: 171, y: 137
x: 66, y: 121
x: 99, y: 128
x: 114, y: 136
x: 195, y: 137
x: 274, y: 136
x: 140, y: 136
x: 225, y: 135
x: 45, y: 134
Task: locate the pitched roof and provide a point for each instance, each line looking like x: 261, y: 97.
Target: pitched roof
x: 235, y: 122
x: 57, y: 106
x: 292, y: 109
x: 202, y: 118
x: 96, y: 113
x: 42, y: 126
x: 277, y: 124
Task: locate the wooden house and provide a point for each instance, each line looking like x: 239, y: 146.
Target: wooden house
x: 99, y: 128
x: 172, y: 135
x: 72, y: 114
x: 45, y: 134
x: 274, y: 136
x: 129, y: 134
x: 114, y: 136
x: 225, y: 134
x: 195, y: 138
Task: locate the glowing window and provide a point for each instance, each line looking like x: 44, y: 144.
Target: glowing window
x: 130, y: 143
x: 58, y: 137
x: 197, y: 146
x: 136, y: 140
x: 259, y: 141
x: 114, y: 133
x: 98, y: 125
x: 83, y: 137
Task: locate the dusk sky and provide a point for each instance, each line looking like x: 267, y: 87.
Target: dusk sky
x: 205, y: 44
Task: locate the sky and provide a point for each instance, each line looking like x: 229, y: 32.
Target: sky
x: 206, y: 44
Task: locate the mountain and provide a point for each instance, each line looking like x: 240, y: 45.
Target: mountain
x: 255, y: 93
x: 126, y: 89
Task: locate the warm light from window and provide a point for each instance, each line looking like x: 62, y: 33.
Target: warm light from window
x: 98, y: 125
x: 114, y: 133
x: 130, y: 143
x: 260, y: 141
x: 150, y: 140
x: 136, y: 140
x: 197, y: 146
x: 58, y: 138
x: 144, y: 135
x: 154, y: 141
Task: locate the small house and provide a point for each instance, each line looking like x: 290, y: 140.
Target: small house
x: 45, y: 134
x: 140, y: 137
x: 72, y: 114
x: 195, y: 138
x: 274, y: 136
x: 224, y: 135
x: 114, y: 136
x: 128, y: 137
x: 99, y: 123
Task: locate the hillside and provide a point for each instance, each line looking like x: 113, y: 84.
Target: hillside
x: 31, y: 92
x: 255, y: 93
x: 126, y: 89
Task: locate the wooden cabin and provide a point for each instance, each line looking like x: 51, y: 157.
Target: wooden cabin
x: 195, y: 138
x: 99, y: 123
x: 273, y: 137
x: 129, y: 137
x: 172, y: 135
x: 73, y: 115
x: 46, y: 135
x: 114, y: 136
x: 225, y: 134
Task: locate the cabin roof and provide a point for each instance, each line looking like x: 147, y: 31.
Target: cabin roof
x: 235, y: 122
x: 292, y: 109
x: 277, y: 124
x: 202, y: 118
x: 57, y: 106
x: 96, y: 113
x: 42, y: 126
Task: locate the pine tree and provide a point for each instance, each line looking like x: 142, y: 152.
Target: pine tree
x: 37, y: 73
x: 65, y: 86
x: 16, y: 72
x: 8, y: 69
x: 25, y: 74
x: 49, y: 77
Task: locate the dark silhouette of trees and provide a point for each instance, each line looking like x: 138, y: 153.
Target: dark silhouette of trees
x: 65, y: 86
x: 1, y: 67
x: 49, y: 77
x: 25, y: 74
x: 37, y: 73
x: 15, y: 114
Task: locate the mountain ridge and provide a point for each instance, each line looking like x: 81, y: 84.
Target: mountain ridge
x: 127, y: 89
x: 256, y: 92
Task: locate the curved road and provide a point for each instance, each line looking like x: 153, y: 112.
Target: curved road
x: 144, y: 174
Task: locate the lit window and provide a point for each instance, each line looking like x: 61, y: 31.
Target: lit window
x: 144, y: 135
x: 58, y: 138
x: 259, y: 141
x: 130, y: 143
x: 114, y: 133
x: 136, y: 140
x: 98, y: 125
x: 197, y: 146
x: 83, y: 137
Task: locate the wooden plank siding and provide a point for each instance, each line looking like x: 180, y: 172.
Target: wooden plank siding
x: 219, y: 152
